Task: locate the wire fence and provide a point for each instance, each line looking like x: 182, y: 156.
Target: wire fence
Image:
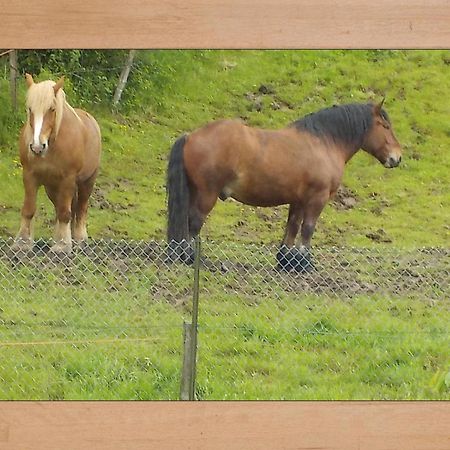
x: 107, y: 322
x: 17, y: 69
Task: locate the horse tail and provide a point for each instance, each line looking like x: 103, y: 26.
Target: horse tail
x: 178, y: 195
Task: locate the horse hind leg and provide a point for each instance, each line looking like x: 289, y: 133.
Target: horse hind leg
x: 80, y: 207
x: 200, y: 206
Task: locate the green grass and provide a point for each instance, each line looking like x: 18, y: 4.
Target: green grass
x: 310, y: 356
x: 331, y: 351
x: 108, y: 326
x: 91, y: 328
x: 193, y: 88
x: 260, y: 337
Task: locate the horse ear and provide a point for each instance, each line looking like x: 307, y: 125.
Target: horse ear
x: 29, y: 79
x: 58, y: 85
x: 378, y: 107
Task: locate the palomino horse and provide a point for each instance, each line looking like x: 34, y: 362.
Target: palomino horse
x: 59, y: 148
x: 301, y: 165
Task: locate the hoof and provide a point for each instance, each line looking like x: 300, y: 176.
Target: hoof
x: 22, y: 246
x: 61, y: 250
x: 180, y: 251
x: 295, y: 259
x: 80, y: 244
x: 41, y: 247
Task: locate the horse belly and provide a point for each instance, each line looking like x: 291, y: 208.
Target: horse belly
x: 270, y: 171
x: 262, y: 193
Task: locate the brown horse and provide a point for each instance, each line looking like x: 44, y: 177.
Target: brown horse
x: 59, y: 148
x: 301, y: 165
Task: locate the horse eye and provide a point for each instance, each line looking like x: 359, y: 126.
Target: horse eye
x: 386, y: 125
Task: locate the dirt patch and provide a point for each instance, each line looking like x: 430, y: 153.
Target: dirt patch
x: 377, y: 211
x: 256, y: 102
x: 379, y: 236
x: 98, y: 200
x: 344, y: 275
x: 266, y: 90
x: 344, y: 199
x: 279, y: 103
x: 249, y: 272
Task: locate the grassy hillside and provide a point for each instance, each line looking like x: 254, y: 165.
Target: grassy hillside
x: 366, y: 325
x: 405, y: 207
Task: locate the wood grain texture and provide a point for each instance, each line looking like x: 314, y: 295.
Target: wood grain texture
x: 225, y: 425
x: 225, y: 24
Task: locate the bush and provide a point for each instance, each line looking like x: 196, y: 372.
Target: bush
x: 92, y: 74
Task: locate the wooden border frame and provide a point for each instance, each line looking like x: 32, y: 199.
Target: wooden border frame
x: 225, y: 425
x: 225, y: 24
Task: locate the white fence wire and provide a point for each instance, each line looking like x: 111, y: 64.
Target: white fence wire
x: 107, y: 322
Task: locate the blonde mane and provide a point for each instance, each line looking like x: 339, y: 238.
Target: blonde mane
x: 41, y: 97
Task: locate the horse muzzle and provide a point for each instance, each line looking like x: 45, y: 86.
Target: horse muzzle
x: 392, y: 161
x: 40, y: 149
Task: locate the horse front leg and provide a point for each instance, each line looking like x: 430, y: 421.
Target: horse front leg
x: 293, y: 225
x: 63, y: 235
x: 312, y: 213
x: 288, y: 256
x: 24, y: 238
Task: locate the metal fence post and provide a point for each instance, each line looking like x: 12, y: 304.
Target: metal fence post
x: 190, y: 335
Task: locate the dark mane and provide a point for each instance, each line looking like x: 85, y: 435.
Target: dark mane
x: 346, y: 123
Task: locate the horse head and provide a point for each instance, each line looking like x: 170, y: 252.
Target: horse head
x: 45, y: 102
x: 380, y: 140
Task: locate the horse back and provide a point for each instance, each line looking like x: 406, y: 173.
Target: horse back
x: 212, y: 153
x: 257, y: 166
x: 91, y: 145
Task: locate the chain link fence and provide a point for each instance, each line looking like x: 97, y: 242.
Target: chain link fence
x: 365, y: 323
x: 107, y: 322
x: 104, y: 323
